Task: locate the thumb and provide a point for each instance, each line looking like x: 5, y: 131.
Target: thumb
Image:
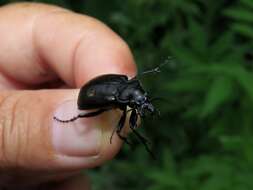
x: 32, y: 141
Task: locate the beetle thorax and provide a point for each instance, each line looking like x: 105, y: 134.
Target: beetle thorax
x: 134, y: 97
x: 138, y: 97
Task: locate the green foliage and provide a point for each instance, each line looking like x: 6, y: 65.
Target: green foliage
x: 203, y: 137
x: 220, y: 91
x: 242, y: 14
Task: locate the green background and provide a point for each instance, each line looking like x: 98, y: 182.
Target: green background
x: 202, y: 140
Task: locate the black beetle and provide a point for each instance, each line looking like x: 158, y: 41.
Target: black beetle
x: 111, y: 91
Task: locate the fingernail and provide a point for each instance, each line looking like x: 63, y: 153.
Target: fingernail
x: 80, y: 138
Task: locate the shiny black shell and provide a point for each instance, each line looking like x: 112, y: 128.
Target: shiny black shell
x: 102, y: 92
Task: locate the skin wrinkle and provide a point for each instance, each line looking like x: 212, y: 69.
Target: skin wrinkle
x: 19, y: 131
x: 3, y: 149
x: 43, y: 129
x: 28, y: 130
x: 26, y: 133
x: 15, y: 130
x: 14, y: 108
x: 31, y: 129
x: 5, y: 161
x: 4, y: 132
x: 10, y: 129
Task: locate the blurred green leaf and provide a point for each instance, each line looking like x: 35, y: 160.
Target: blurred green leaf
x: 222, y: 46
x: 220, y: 91
x: 243, y: 29
x: 240, y: 14
x: 198, y: 36
x: 248, y: 3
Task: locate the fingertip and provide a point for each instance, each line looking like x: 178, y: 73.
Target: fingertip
x: 112, y: 55
x: 85, y: 143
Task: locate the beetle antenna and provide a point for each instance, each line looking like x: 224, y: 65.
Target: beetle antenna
x: 157, y: 99
x: 157, y: 69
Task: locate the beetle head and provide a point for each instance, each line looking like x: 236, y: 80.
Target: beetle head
x: 146, y: 108
x: 141, y: 102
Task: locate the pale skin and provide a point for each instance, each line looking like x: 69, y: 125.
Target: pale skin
x: 50, y: 48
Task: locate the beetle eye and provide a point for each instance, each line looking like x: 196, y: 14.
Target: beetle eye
x: 91, y: 92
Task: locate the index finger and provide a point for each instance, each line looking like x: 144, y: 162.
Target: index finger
x: 52, y: 42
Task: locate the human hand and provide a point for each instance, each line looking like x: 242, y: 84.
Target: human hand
x: 46, y: 47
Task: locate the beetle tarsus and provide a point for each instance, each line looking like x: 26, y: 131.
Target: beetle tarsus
x: 113, y: 132
x: 125, y: 140
x: 90, y: 114
x: 145, y: 142
x: 66, y: 121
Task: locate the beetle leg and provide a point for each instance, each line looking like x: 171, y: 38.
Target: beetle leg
x: 133, y: 119
x: 90, y: 114
x: 158, y: 99
x: 133, y: 125
x: 120, y: 127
